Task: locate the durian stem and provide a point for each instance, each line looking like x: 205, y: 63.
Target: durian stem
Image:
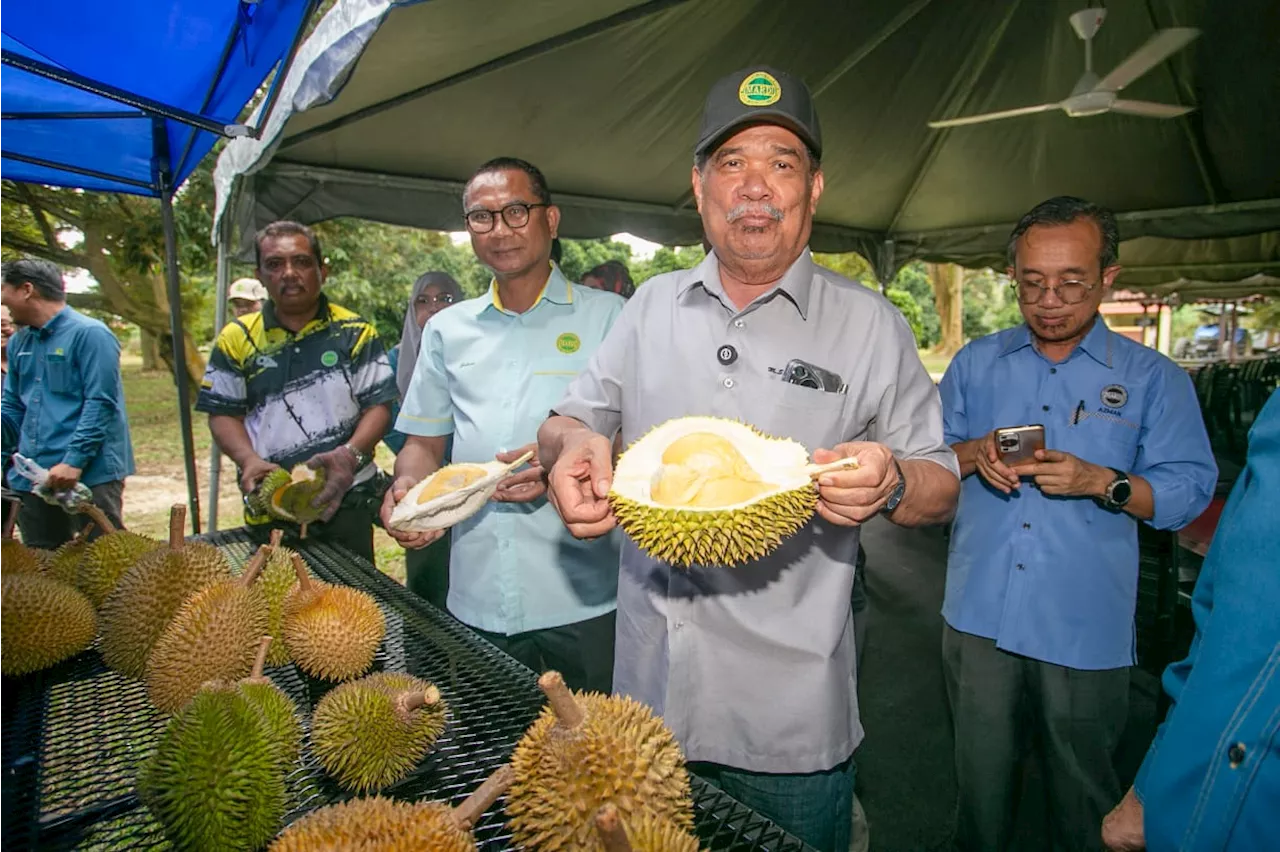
x: 300, y: 568
x: 254, y: 566
x: 98, y: 517
x: 177, y: 526
x: 846, y: 463
x: 85, y: 532
x: 277, y: 536
x: 302, y: 531
x: 261, y: 660
x: 466, y: 814
x: 568, y: 714
x: 410, y: 701
x: 612, y: 834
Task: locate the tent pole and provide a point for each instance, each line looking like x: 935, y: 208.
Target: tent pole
x: 164, y: 182
x: 219, y: 320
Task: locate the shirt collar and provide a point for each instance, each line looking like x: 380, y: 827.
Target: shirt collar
x: 1096, y: 344
x: 54, y: 321
x: 269, y: 313
x: 796, y: 283
x: 557, y: 290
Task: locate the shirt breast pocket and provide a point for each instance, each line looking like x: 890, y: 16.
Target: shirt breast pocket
x: 1108, y: 441
x: 813, y: 417
x: 62, y: 376
x: 551, y: 377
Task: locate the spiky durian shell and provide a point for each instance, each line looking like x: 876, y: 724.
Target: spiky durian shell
x: 214, y: 635
x: 376, y: 825
x: 44, y: 622
x: 364, y: 740
x: 621, y: 753
x: 216, y: 780
x: 106, y: 560
x: 64, y: 563
x: 332, y: 631
x: 732, y: 536
x: 278, y: 712
x: 260, y: 498
x: 147, y: 597
x: 278, y: 577
x: 17, y: 558
x: 649, y: 833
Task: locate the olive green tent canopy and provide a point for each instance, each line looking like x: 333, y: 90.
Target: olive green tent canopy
x: 389, y: 108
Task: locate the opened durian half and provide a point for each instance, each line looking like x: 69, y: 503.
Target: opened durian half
x: 706, y: 491
x: 287, y: 495
x: 453, y: 493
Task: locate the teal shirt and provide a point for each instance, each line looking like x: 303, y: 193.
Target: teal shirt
x: 490, y: 377
x: 64, y: 402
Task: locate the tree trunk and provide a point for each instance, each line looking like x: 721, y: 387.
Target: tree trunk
x: 948, y: 294
x: 150, y: 351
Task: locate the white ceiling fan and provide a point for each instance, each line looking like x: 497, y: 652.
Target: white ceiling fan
x: 1093, y: 95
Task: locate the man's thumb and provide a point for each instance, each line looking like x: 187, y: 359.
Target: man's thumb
x: 601, y: 474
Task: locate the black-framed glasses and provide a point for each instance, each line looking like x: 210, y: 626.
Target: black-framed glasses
x: 515, y: 214
x: 1069, y: 292
x: 437, y: 299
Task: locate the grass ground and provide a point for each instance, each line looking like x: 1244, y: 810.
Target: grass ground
x: 160, y: 480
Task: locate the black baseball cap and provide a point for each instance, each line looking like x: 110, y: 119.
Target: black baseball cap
x: 759, y: 95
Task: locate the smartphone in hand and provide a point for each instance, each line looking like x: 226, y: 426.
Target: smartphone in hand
x: 1017, y: 445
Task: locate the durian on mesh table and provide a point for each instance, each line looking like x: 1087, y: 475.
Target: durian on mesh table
x: 74, y: 734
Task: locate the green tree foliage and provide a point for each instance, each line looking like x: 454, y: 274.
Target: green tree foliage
x: 666, y: 260
x: 913, y: 280
x: 989, y: 303
x: 580, y: 256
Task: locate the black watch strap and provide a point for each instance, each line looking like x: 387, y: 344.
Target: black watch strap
x: 899, y: 490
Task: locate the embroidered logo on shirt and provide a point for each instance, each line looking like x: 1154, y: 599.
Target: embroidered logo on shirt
x: 265, y: 362
x: 1114, y: 396
x: 759, y: 89
x: 568, y: 343
x: 58, y: 351
x: 329, y: 358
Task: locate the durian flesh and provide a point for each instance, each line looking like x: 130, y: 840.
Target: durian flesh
x: 453, y: 493
x: 706, y: 491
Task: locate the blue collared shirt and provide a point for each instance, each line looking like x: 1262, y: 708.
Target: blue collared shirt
x: 64, y: 402
x: 489, y: 377
x: 1056, y: 578
x: 1211, y: 780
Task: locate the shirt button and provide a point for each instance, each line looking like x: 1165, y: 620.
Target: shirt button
x: 728, y: 383
x: 297, y: 349
x: 1020, y: 566
x: 1235, y: 754
x: 1045, y: 407
x: 679, y: 625
x: 1053, y: 369
x: 738, y: 323
x: 1026, y: 527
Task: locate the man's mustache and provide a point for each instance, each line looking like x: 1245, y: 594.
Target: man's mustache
x: 753, y: 208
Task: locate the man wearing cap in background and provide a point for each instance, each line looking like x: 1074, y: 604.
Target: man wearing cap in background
x: 245, y: 296
x: 753, y: 667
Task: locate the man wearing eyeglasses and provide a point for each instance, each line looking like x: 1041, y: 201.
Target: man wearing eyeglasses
x: 488, y: 371
x: 1043, y: 571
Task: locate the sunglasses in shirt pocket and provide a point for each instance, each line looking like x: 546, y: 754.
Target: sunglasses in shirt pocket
x: 61, y: 374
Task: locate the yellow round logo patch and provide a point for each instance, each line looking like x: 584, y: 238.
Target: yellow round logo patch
x: 759, y: 89
x: 568, y: 343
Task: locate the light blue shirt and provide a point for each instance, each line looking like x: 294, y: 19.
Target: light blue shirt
x: 490, y: 377
x: 64, y: 401
x: 1056, y: 578
x: 1211, y: 780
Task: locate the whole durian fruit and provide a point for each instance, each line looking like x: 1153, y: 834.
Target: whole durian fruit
x: 278, y: 578
x: 108, y: 557
x: 216, y: 780
x: 373, y: 732
x: 277, y: 709
x: 584, y: 752
x: 150, y: 593
x: 214, y: 635
x: 44, y: 621
x: 706, y: 491
x: 641, y: 832
x: 64, y: 563
x: 332, y: 632
x: 384, y: 825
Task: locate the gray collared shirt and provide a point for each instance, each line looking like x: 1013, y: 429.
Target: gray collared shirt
x: 753, y: 667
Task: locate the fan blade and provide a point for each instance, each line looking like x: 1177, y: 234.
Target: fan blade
x: 1158, y: 48
x: 1149, y: 109
x: 994, y: 116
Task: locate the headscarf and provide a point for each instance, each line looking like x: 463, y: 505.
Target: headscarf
x: 411, y: 336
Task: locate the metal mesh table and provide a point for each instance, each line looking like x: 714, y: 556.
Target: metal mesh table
x: 73, y: 735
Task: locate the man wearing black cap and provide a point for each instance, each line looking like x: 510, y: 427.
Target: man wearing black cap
x: 753, y: 666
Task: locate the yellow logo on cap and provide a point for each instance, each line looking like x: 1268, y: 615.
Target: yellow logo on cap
x: 759, y: 89
x: 568, y: 343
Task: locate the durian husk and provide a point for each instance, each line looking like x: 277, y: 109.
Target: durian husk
x: 216, y: 780
x: 278, y: 578
x: 260, y: 498
x: 214, y: 635
x: 64, y: 563
x: 279, y: 713
x: 17, y: 558
x: 149, y: 594
x: 641, y: 832
x: 713, y: 533
x: 44, y: 621
x: 587, y: 750
x: 376, y: 824
x: 109, y: 556
x: 372, y: 732
x: 292, y: 500
x: 332, y: 632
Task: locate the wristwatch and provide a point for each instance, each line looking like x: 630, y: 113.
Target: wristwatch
x: 1118, y: 491
x: 362, y: 458
x: 895, y: 496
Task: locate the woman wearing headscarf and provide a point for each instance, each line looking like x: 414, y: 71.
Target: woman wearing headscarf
x: 426, y: 569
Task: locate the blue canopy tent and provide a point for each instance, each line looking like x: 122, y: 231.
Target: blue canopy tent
x: 130, y: 97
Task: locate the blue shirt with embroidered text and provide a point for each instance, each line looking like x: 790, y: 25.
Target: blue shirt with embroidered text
x: 1211, y: 779
x: 1056, y: 578
x: 64, y: 402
